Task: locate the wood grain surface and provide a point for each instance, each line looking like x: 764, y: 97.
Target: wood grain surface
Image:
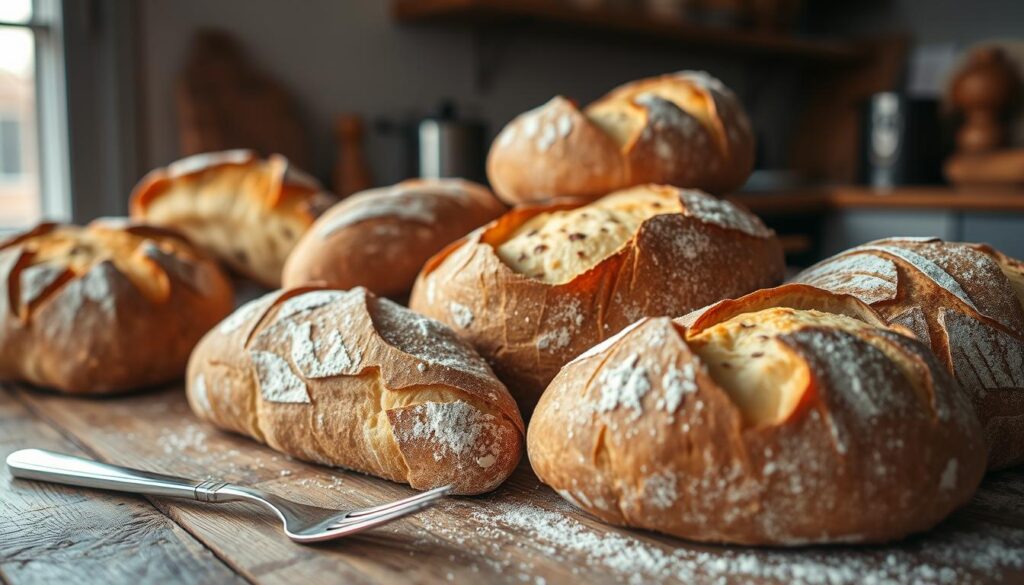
x: 522, y: 533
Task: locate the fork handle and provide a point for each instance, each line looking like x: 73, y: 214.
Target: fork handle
x: 43, y: 465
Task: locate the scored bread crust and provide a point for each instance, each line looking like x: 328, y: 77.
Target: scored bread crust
x: 685, y: 129
x: 957, y: 298
x: 880, y: 444
x: 124, y: 321
x: 380, y: 238
x: 348, y: 379
x: 247, y: 211
x: 527, y: 328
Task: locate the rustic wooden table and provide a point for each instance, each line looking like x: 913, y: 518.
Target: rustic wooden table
x: 522, y: 533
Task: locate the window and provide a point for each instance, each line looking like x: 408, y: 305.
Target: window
x: 33, y: 129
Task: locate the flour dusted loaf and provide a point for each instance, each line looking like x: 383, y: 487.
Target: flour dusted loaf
x: 349, y: 379
x: 104, y: 308
x: 542, y: 284
x: 684, y: 129
x: 964, y: 300
x: 761, y: 426
x: 247, y: 211
x: 380, y: 238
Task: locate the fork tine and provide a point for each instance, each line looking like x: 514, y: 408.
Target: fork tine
x: 427, y: 495
x: 388, y: 512
x: 361, y: 523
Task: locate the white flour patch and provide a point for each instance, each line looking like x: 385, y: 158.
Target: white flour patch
x: 461, y: 314
x: 623, y: 385
x: 277, y: 381
x: 722, y: 213
x: 948, y: 480
x: 452, y: 427
x: 926, y: 266
x: 199, y: 392
x: 323, y: 357
x: 868, y: 277
x: 676, y: 384
x: 246, y: 312
x: 983, y: 356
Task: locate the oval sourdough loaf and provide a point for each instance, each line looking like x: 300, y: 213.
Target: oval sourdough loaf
x: 247, y: 211
x: 761, y: 426
x: 104, y: 308
x: 684, y: 129
x: 349, y: 379
x: 542, y: 284
x: 964, y: 300
x: 380, y: 238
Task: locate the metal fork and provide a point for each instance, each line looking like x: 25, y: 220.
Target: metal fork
x: 302, y: 523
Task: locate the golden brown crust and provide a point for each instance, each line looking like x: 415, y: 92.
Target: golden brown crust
x: 345, y: 378
x: 247, y: 211
x: 380, y: 238
x: 640, y: 432
x: 684, y: 129
x: 958, y: 298
x: 99, y: 309
x: 527, y: 329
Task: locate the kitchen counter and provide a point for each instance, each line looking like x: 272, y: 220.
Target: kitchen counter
x: 522, y: 533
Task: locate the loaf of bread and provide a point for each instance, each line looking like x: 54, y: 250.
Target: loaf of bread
x: 542, y: 284
x: 380, y: 238
x: 684, y: 129
x: 246, y: 211
x: 104, y: 308
x: 964, y: 300
x: 349, y: 379
x: 773, y: 426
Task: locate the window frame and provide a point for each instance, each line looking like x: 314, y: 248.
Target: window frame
x: 52, y: 144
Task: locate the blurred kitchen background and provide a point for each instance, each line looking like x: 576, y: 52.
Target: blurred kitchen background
x: 874, y: 118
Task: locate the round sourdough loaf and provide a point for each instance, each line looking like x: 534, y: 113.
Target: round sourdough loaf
x: 246, y: 211
x: 104, y: 308
x: 761, y: 426
x: 684, y: 129
x: 380, y: 238
x: 349, y: 379
x: 542, y: 284
x: 964, y: 300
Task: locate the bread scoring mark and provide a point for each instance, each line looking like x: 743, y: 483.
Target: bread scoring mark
x: 36, y: 279
x: 186, y: 272
x: 564, y: 124
x: 913, y: 319
x: 308, y: 301
x: 461, y: 314
x: 623, y: 386
x: 246, y: 312
x: 200, y: 394
x: 426, y: 339
x: 323, y: 357
x: 276, y: 380
x: 722, y: 213
x: 927, y: 267
x: 983, y: 356
x: 607, y: 343
x: 868, y: 277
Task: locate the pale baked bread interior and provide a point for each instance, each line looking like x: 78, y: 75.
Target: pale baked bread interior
x: 763, y: 376
x: 555, y: 247
x: 1014, y: 271
x: 623, y: 117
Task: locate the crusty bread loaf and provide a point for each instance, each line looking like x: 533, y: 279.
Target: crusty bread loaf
x: 104, y: 308
x: 964, y: 300
x: 778, y: 426
x: 380, y: 238
x: 684, y: 129
x: 247, y: 211
x: 349, y: 379
x: 541, y: 284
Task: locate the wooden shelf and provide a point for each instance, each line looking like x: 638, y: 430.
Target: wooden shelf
x: 937, y: 198
x: 625, y: 23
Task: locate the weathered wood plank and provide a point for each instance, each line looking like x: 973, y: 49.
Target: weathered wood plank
x: 53, y: 534
x: 522, y: 533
